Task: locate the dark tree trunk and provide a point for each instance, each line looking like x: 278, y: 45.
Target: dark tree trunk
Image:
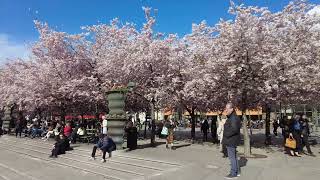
x: 214, y: 130
x: 246, y: 137
x: 63, y: 112
x: 193, y: 123
x: 268, y: 135
x: 153, y: 125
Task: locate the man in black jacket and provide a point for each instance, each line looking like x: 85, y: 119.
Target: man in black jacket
x: 305, y: 134
x: 231, y: 138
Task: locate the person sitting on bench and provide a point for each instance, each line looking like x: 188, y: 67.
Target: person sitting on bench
x: 105, y: 144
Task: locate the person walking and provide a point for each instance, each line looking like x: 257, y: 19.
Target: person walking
x: 305, y: 132
x: 296, y: 130
x: 289, y: 132
x: 231, y: 138
x: 204, y: 129
x: 170, y: 136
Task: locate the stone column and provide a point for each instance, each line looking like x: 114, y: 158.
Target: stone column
x: 6, y: 119
x: 117, y: 116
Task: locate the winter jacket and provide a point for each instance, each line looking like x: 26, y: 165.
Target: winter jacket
x: 305, y: 128
x: 295, y: 126
x: 205, y: 126
x: 63, y: 145
x: 67, y: 131
x: 231, y: 133
x: 106, y: 144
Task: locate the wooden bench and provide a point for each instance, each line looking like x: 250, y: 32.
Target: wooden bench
x: 89, y: 135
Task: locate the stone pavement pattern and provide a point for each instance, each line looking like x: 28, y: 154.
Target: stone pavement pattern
x: 28, y: 159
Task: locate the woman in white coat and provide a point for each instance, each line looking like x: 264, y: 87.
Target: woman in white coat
x: 104, y: 125
x: 221, y: 120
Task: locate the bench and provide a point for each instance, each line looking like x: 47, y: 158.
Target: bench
x: 89, y: 135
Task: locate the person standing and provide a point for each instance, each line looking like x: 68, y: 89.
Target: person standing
x: 18, y: 128
x: 132, y: 136
x: 275, y: 127
x: 231, y: 138
x: 213, y: 127
x: 104, y: 125
x: 296, y: 130
x: 305, y: 134
x: 220, y: 130
x: 204, y: 129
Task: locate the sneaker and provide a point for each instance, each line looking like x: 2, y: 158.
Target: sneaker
x: 238, y: 175
x: 92, y: 158
x: 103, y: 160
x: 231, y: 177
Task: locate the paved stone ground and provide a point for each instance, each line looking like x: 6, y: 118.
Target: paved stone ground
x: 28, y: 159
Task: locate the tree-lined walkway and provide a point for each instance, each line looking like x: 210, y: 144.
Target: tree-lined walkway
x: 29, y: 159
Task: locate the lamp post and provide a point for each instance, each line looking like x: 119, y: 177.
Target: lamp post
x: 117, y: 116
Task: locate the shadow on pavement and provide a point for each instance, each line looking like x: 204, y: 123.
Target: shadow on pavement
x: 180, y: 146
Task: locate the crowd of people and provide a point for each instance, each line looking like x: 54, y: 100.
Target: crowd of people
x: 226, y: 129
x: 297, y: 130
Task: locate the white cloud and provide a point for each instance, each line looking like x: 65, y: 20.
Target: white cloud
x: 10, y: 50
x: 315, y: 13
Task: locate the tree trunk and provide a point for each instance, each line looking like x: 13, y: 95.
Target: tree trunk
x: 214, y: 130
x: 268, y: 136
x: 153, y: 125
x: 246, y: 137
x: 193, y: 126
x: 63, y: 112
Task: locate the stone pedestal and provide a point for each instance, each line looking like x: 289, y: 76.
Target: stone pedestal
x: 6, y: 119
x: 117, y: 116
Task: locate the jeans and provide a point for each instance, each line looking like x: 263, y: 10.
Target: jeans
x: 232, y: 154
x: 297, y: 137
x: 36, y: 132
x: 104, y: 151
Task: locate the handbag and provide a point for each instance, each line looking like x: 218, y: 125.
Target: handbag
x: 291, y: 143
x: 164, y: 131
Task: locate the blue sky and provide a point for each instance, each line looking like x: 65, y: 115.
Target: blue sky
x: 173, y: 16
